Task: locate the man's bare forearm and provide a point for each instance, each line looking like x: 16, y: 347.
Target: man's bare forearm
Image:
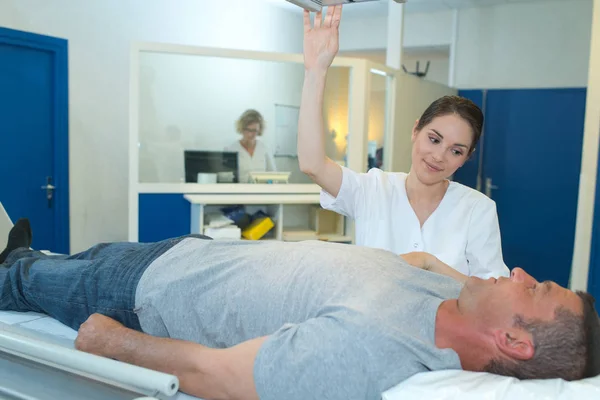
x: 226, y: 374
x: 197, y: 367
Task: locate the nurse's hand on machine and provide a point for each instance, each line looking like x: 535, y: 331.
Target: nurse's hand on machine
x: 431, y: 263
x: 321, y: 41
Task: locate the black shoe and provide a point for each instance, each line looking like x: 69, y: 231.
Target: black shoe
x: 19, y: 236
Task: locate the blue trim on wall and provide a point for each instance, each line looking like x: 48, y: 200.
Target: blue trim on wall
x: 163, y: 216
x: 59, y: 48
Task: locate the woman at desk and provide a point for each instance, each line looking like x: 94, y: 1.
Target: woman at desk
x: 253, y: 155
x: 420, y: 211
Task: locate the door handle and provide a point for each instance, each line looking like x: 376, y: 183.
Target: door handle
x: 49, y: 188
x: 489, y: 187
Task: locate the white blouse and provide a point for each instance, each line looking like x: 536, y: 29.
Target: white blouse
x: 462, y: 232
x: 260, y: 161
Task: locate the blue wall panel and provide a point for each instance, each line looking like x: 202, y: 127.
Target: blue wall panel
x: 467, y: 174
x: 532, y: 151
x: 533, y: 154
x: 163, y: 216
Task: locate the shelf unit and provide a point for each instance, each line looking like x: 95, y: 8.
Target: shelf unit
x: 277, y: 202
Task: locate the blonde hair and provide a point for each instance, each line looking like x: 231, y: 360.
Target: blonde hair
x: 250, y: 117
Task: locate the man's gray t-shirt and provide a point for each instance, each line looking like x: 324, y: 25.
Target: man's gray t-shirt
x: 345, y: 322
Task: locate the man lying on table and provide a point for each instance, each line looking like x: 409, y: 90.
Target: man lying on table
x: 275, y: 320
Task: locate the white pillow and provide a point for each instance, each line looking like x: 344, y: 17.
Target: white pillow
x: 463, y: 385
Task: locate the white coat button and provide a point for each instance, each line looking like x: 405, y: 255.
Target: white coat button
x: 416, y: 245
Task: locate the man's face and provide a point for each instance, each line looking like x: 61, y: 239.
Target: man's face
x: 495, y: 303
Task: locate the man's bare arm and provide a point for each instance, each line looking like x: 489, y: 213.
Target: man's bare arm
x: 431, y: 263
x: 202, y: 372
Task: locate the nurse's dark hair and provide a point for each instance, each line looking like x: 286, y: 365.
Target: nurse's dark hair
x: 566, y: 348
x: 460, y: 106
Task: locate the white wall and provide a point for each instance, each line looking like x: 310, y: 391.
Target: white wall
x: 439, y: 67
x: 512, y: 45
x: 420, y: 30
x: 428, y: 29
x: 359, y: 33
x: 524, y: 45
x: 100, y: 34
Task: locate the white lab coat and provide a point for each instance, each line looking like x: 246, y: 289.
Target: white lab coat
x: 261, y: 161
x: 463, y: 231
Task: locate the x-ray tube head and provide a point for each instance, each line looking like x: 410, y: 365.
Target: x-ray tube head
x: 317, y: 5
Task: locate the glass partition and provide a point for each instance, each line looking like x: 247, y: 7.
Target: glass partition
x: 190, y: 123
x: 380, y: 109
x: 336, y: 112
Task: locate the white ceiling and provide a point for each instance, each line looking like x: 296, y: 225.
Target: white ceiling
x: 380, y: 7
x: 440, y: 5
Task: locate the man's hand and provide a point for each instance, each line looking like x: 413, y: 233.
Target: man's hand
x: 96, y: 334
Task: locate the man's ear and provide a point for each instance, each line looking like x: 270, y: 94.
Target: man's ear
x: 515, y: 344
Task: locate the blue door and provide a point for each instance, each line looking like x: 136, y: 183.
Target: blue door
x: 34, y: 135
x: 531, y: 162
x: 468, y: 173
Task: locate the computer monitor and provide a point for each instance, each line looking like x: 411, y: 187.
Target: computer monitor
x: 209, y: 162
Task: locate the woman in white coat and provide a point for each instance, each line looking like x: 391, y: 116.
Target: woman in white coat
x: 403, y: 212
x: 253, y: 154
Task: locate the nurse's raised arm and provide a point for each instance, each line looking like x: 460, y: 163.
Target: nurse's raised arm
x: 321, y: 44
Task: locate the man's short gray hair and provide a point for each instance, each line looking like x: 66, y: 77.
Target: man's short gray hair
x: 566, y: 347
